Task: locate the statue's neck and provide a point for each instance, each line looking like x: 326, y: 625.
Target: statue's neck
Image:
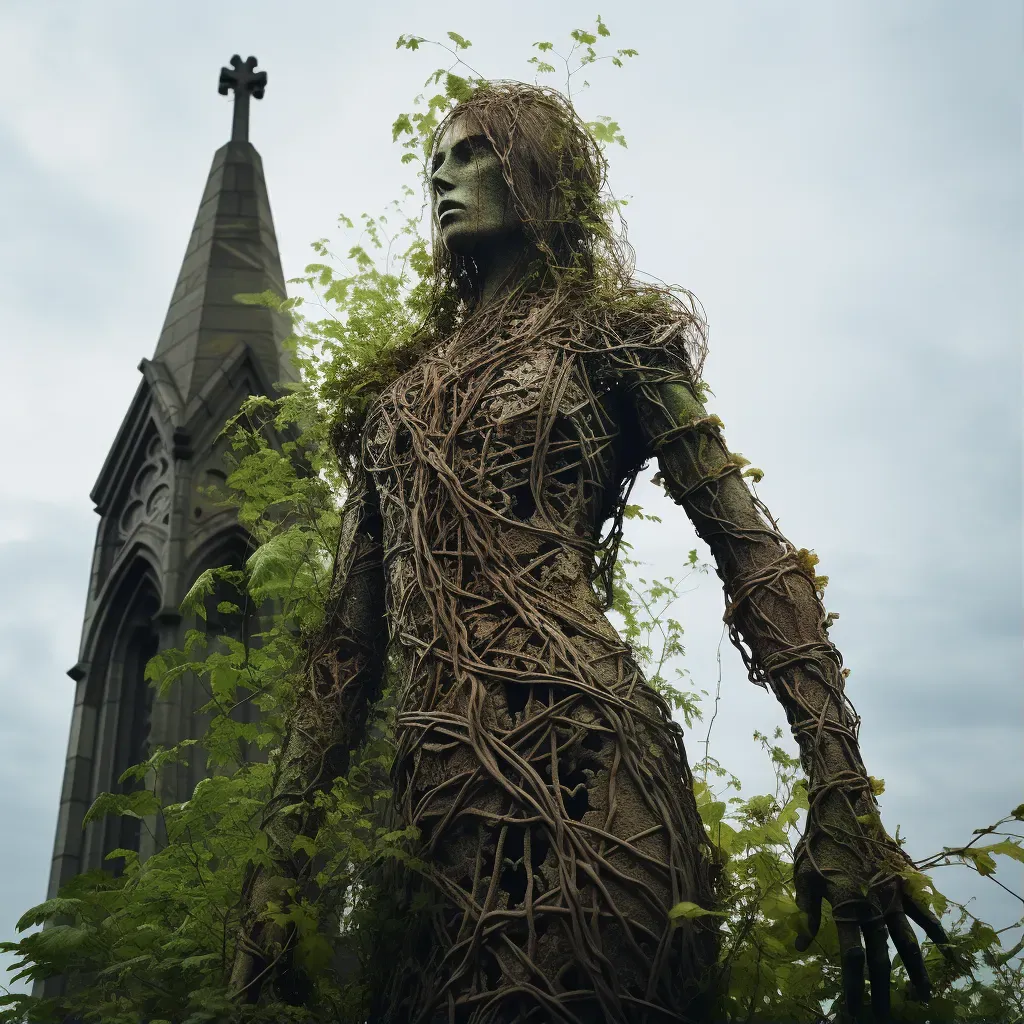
x: 500, y: 268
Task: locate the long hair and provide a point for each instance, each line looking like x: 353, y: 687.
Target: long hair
x: 557, y: 176
x: 557, y: 179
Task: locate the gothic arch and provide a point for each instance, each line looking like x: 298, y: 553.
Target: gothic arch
x: 230, y: 546
x: 136, y: 578
x: 140, y: 511
x: 124, y: 640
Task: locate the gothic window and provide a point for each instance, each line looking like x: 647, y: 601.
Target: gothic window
x: 131, y: 701
x: 231, y: 614
x: 136, y: 714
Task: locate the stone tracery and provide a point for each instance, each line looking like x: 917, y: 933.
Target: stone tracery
x: 150, y: 496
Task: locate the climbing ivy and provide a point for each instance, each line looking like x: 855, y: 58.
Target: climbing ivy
x: 155, y: 943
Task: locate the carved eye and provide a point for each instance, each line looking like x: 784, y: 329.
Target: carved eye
x: 467, y: 148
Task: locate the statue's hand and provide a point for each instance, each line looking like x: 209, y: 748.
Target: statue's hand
x: 846, y: 856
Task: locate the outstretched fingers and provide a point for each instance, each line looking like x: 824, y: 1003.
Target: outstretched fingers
x: 905, y: 941
x: 876, y: 942
x: 927, y: 920
x: 851, y: 956
x: 809, y: 892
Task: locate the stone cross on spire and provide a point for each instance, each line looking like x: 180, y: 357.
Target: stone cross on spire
x: 242, y: 77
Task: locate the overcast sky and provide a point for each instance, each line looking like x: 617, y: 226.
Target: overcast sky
x: 839, y: 183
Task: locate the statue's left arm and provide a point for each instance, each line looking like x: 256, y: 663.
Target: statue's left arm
x: 776, y: 618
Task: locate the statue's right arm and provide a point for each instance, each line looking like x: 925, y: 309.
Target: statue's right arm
x: 341, y: 679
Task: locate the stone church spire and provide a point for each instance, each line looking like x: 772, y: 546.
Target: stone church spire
x: 159, y: 525
x: 232, y: 249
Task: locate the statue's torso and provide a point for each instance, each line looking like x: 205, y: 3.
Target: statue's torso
x: 495, y: 468
x: 525, y: 730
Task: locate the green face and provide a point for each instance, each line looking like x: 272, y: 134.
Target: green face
x: 472, y: 204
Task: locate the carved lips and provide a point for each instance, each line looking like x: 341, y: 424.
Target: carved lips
x: 447, y: 206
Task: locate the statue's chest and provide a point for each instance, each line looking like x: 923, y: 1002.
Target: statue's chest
x: 472, y: 445
x: 470, y: 410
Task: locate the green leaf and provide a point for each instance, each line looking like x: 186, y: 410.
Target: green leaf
x: 401, y: 126
x: 542, y: 66
x: 131, y: 805
x: 194, y: 601
x: 982, y: 860
x: 690, y: 910
x: 922, y: 890
x: 457, y: 88
x: 196, y: 961
x: 460, y: 42
x: 57, y: 907
x: 314, y: 953
x: 1007, y: 848
x: 306, y: 844
x: 712, y: 813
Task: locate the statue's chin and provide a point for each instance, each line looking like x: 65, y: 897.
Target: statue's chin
x: 463, y: 243
x: 465, y: 239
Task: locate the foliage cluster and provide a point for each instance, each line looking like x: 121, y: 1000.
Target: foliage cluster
x: 155, y: 942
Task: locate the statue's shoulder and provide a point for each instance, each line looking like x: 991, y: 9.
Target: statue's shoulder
x: 645, y: 327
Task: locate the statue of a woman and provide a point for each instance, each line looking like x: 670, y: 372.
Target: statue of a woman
x: 547, y: 779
